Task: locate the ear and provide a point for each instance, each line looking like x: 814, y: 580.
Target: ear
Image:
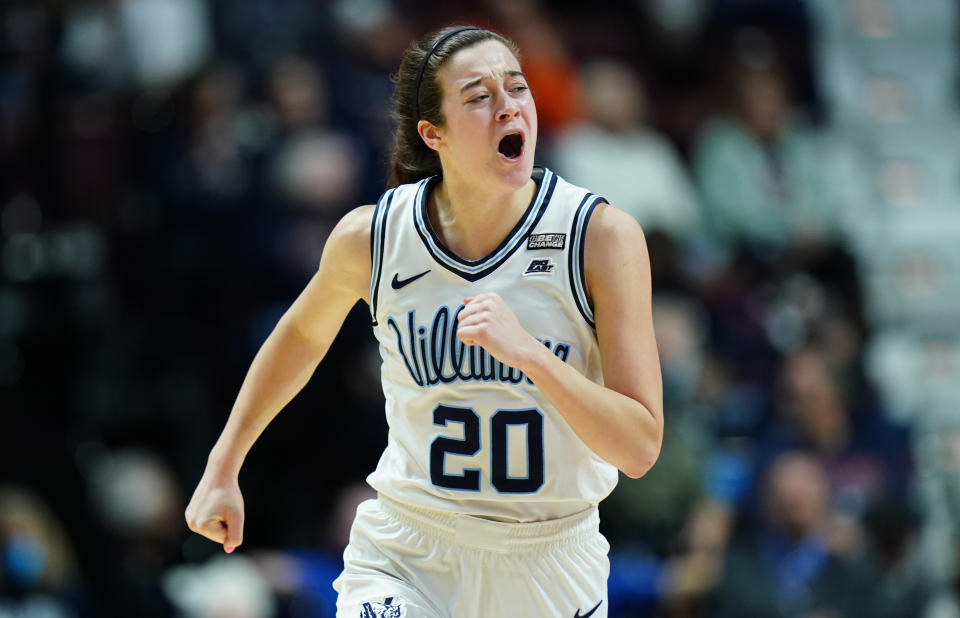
x: 430, y: 134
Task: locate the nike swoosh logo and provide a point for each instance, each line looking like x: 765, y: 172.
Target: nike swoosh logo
x: 590, y: 613
x: 398, y: 283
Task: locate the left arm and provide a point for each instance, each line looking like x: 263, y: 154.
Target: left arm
x: 621, y: 420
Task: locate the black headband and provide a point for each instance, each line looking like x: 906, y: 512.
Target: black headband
x: 426, y: 58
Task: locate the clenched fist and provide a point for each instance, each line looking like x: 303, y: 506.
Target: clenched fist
x: 488, y: 322
x: 216, y: 511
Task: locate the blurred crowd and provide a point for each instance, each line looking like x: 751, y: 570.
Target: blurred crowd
x: 171, y: 169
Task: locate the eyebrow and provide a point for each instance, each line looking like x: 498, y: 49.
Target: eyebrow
x: 479, y: 80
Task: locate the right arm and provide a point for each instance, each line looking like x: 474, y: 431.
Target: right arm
x: 282, y: 367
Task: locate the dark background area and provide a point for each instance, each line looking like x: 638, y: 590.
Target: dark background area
x: 171, y: 169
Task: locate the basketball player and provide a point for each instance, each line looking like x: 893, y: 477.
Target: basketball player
x: 520, y: 369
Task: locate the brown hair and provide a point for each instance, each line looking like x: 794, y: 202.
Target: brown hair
x: 410, y: 158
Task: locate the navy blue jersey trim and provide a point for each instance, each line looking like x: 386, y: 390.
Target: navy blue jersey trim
x: 575, y: 256
x: 473, y: 270
x: 378, y: 237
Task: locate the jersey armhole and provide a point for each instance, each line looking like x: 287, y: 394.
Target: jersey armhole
x: 578, y: 236
x: 378, y: 235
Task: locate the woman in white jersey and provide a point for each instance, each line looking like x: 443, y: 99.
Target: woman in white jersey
x: 520, y: 369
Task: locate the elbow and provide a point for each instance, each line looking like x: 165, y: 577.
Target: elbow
x: 642, y: 459
x: 638, y: 469
x: 642, y: 462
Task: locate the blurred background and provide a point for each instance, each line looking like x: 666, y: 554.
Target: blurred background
x: 171, y: 169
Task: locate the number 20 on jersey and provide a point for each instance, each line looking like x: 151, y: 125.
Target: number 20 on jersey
x: 469, y: 479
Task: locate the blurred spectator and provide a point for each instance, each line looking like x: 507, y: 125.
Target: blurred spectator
x: 146, y: 43
x: 863, y: 454
x: 694, y: 572
x: 166, y: 40
x: 760, y: 169
x: 92, y: 45
x: 905, y: 589
x: 548, y: 64
x: 140, y: 503
x: 784, y: 566
x: 211, y: 171
x: 372, y: 34
x: 638, y: 170
x: 136, y: 496
x: 646, y: 515
x: 668, y: 536
x: 300, y: 175
x: 313, y: 167
x: 38, y: 573
x: 223, y: 586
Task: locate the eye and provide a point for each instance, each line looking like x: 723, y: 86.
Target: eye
x: 519, y: 88
x: 478, y: 98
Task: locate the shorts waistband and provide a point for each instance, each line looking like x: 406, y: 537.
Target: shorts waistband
x: 488, y: 534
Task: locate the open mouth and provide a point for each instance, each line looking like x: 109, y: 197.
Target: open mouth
x: 511, y: 146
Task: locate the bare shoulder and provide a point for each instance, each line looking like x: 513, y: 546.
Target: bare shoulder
x: 615, y: 240
x: 346, y: 255
x: 352, y: 232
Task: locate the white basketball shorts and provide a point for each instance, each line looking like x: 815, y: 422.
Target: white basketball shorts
x: 410, y: 562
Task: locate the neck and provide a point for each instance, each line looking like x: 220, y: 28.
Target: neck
x: 473, y: 220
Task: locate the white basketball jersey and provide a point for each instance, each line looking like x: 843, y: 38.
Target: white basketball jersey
x: 467, y: 433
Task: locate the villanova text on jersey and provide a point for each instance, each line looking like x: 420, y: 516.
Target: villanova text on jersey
x: 433, y: 354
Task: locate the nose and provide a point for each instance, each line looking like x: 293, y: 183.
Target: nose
x: 508, y: 108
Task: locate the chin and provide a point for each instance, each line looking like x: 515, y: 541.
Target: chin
x: 518, y: 174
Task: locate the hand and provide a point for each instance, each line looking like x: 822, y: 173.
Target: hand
x: 216, y: 510
x: 487, y: 321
